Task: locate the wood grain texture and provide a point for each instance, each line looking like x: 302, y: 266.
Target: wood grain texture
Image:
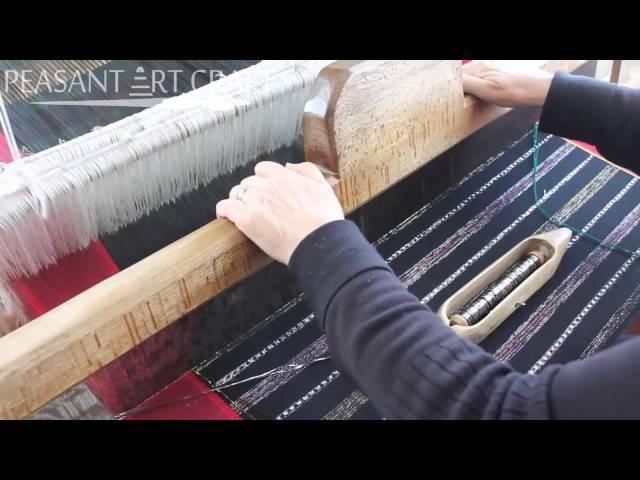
x: 383, y: 120
x: 616, y: 68
x: 375, y: 123
x: 64, y: 346
x: 370, y: 124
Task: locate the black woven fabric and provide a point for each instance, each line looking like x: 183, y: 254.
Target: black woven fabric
x: 444, y: 245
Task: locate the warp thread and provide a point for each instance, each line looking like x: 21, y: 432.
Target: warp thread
x: 219, y: 388
x: 147, y: 160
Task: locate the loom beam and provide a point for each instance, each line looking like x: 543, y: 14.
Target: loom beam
x: 367, y: 123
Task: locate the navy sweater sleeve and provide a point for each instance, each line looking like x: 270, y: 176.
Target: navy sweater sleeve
x: 412, y: 366
x: 600, y: 113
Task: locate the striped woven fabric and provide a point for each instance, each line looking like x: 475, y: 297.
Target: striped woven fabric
x: 442, y: 246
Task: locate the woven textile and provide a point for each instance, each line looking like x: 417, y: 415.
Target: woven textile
x: 446, y: 243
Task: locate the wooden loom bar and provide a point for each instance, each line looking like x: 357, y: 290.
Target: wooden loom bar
x: 375, y: 128
x: 616, y: 68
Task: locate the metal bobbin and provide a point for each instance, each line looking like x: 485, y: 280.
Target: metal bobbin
x: 475, y: 310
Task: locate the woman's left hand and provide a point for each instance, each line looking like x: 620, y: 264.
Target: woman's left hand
x: 279, y: 206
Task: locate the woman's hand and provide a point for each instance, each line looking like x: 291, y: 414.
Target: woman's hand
x: 505, y: 86
x: 279, y: 206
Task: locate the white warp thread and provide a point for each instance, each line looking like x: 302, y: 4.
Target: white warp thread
x: 55, y: 202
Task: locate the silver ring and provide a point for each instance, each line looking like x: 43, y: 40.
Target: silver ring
x: 241, y: 193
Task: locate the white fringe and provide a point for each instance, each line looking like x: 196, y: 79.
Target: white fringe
x: 55, y: 202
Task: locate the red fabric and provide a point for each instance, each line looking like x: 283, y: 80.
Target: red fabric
x: 139, y: 373
x: 204, y: 407
x: 5, y: 153
x: 136, y: 375
x: 142, y: 371
x: 71, y: 276
x: 586, y: 146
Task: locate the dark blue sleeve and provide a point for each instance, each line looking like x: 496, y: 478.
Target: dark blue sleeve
x: 603, y: 114
x: 412, y: 366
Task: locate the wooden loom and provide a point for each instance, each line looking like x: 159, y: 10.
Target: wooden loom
x: 369, y: 124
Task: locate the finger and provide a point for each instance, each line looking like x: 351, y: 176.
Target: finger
x: 254, y: 182
x: 230, y: 209
x: 244, y: 194
x: 476, y: 67
x: 237, y: 192
x: 269, y: 169
x: 475, y: 86
x: 307, y: 169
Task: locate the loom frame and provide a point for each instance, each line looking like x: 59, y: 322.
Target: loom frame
x: 44, y: 358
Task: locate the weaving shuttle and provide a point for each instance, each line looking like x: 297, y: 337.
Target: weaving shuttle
x: 552, y: 246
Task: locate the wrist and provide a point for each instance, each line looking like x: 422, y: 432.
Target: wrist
x: 302, y: 233
x: 535, y: 90
x: 308, y: 239
x: 328, y: 258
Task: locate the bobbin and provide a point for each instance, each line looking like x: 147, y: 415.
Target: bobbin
x: 551, y: 246
x: 475, y: 310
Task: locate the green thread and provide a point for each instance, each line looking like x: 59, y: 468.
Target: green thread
x: 599, y: 242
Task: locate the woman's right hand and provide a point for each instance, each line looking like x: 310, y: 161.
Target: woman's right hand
x: 280, y: 206
x: 504, y: 86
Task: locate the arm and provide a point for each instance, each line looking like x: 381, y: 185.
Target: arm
x: 576, y: 107
x: 414, y: 367
x: 603, y: 114
x: 399, y: 352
